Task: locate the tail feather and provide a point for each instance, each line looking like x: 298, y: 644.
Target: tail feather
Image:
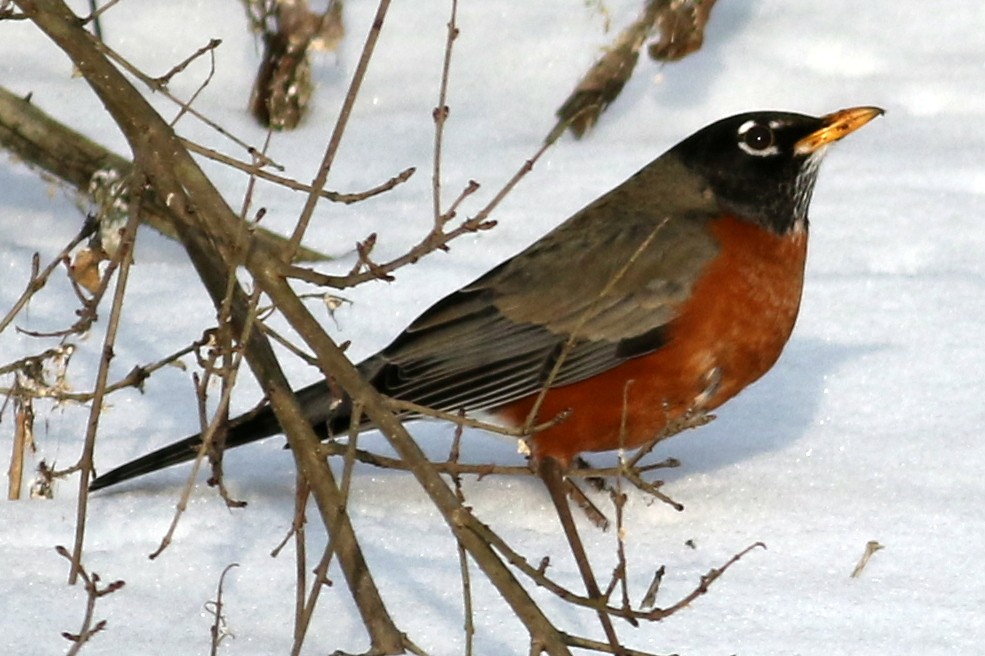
x: 250, y: 427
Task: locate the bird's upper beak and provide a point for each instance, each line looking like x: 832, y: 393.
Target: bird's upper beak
x: 836, y: 125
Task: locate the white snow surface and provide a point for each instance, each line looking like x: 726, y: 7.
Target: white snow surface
x: 868, y: 428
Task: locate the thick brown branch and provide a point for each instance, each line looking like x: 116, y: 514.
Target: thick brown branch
x: 208, y: 229
x: 41, y: 141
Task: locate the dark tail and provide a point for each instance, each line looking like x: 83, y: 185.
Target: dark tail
x: 250, y: 427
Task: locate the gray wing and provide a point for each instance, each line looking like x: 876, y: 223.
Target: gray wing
x: 588, y: 283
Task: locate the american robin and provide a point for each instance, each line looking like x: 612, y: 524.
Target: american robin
x: 668, y: 295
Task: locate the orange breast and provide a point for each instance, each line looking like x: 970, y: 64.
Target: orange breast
x: 727, y: 334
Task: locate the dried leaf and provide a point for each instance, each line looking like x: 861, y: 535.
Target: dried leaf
x: 85, y: 268
x: 681, y: 29
x: 283, y: 84
x: 680, y: 24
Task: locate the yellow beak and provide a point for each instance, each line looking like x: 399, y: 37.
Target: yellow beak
x: 836, y: 125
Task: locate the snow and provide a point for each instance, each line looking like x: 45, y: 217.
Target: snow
x: 867, y: 428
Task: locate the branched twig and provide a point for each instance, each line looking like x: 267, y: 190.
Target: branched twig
x: 703, y: 586
x: 303, y: 618
x: 40, y: 278
x: 135, y: 378
x: 227, y: 373
x: 440, y: 114
x: 218, y: 631
x: 463, y: 556
x: 340, y: 124
x: 455, y: 468
x: 93, y: 592
x: 551, y: 473
x: 209, y: 48
x: 217, y: 424
x: 294, y: 185
x: 123, y: 259
x: 600, y: 604
x: 437, y: 239
x: 154, y: 84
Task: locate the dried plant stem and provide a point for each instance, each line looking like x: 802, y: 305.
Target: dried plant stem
x: 481, y: 470
x: 336, y: 138
x: 871, y: 547
x: 437, y: 239
x: 209, y: 428
x: 306, y: 610
x: 294, y: 185
x: 23, y: 429
x: 217, y: 632
x: 40, y: 277
x: 93, y: 591
x: 124, y: 258
x: 440, y: 115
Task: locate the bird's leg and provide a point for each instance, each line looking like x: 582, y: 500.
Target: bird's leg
x: 551, y: 473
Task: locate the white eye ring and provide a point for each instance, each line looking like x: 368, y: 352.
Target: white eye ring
x: 759, y: 131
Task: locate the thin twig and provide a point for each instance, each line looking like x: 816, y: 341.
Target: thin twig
x: 218, y: 631
x: 123, y: 259
x: 210, y: 48
x: 440, y: 114
x: 38, y: 278
x: 294, y: 185
x: 434, y: 240
x: 182, y: 65
x: 482, y: 470
x: 340, y: 124
x: 302, y: 492
x: 463, y: 557
x: 871, y: 547
x: 702, y: 588
x: 303, y: 621
x: 97, y: 12
x: 93, y: 592
x: 155, y: 85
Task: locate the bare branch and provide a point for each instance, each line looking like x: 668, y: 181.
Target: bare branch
x: 94, y: 591
x: 123, y: 259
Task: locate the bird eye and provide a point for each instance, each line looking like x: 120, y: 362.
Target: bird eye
x: 758, y: 137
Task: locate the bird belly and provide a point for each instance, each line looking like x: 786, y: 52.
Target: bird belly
x: 728, y: 333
